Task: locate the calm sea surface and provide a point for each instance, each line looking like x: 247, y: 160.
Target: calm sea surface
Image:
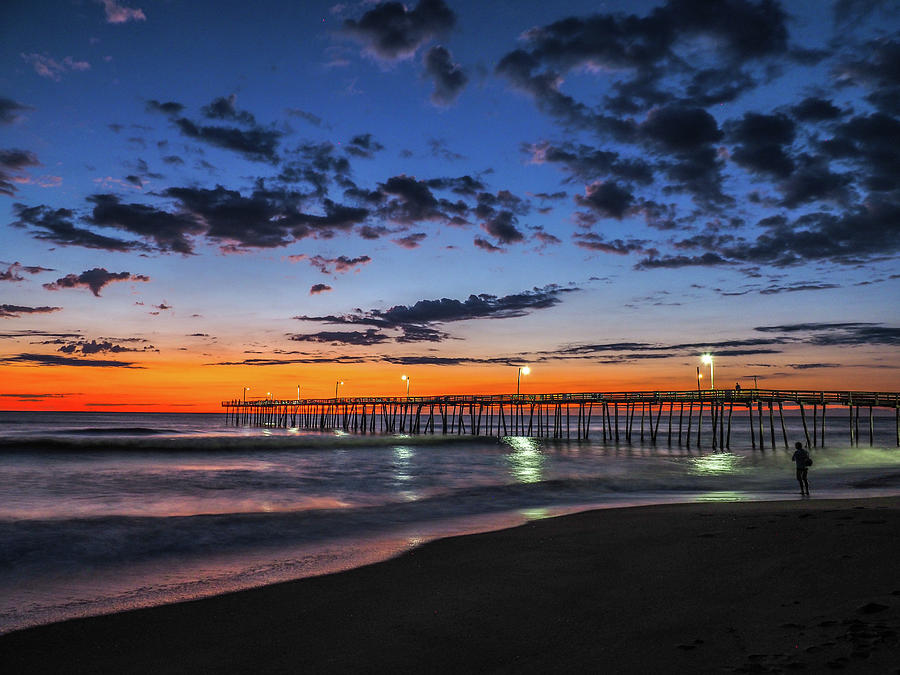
x: 106, y: 511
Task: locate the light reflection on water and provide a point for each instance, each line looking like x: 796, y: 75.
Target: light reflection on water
x: 718, y: 464
x: 525, y: 459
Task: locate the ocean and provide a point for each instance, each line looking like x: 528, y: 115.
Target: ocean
x: 101, y: 512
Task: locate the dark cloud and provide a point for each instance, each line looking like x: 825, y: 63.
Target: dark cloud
x: 12, y: 272
x: 364, y: 338
x: 438, y: 147
x: 174, y: 160
x: 16, y: 335
x: 875, y: 68
x: 224, y: 109
x: 265, y: 219
x: 390, y: 31
x: 371, y: 232
x: 589, y: 164
x: 30, y: 398
x: 639, y: 350
x: 850, y: 13
x: 169, y: 231
x: 641, y: 51
x: 815, y: 109
x: 417, y: 321
x: 503, y: 228
x: 95, y: 279
x: 340, y: 265
x: 15, y: 311
x: 872, y: 144
x: 315, y: 289
x: 814, y: 366
x: 10, y: 109
x: 606, y: 199
x: 761, y: 143
x: 814, y: 181
x: 55, y: 225
x: 257, y: 143
x: 315, y: 120
x: 102, y: 347
x: 167, y: 108
x: 774, y: 290
x: 485, y: 245
x: 448, y: 77
x: 410, y: 201
x: 54, y: 360
x: 411, y: 241
x: 12, y: 162
x: 595, y: 242
x: 684, y: 137
x: 871, y: 229
x: 840, y: 334
x: 363, y: 145
x: 544, y: 237
x: 674, y: 262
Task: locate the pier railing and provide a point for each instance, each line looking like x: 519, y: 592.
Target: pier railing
x: 552, y: 414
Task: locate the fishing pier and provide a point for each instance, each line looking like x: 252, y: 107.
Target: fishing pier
x: 687, y: 417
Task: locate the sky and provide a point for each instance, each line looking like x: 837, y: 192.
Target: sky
x: 199, y: 197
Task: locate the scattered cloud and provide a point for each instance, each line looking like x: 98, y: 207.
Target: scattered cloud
x: 16, y: 311
x: 116, y: 13
x: 57, y: 226
x: 418, y: 321
x: 315, y: 289
x: 13, y: 271
x: 104, y: 346
x: 368, y: 337
x: 12, y: 163
x: 95, y: 279
x: 839, y: 334
x: 391, y: 31
x: 50, y: 68
x: 10, y: 110
x: 448, y: 77
x: 54, y: 360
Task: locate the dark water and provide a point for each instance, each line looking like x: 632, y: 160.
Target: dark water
x: 105, y: 511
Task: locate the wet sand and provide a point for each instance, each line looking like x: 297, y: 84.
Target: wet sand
x: 718, y: 587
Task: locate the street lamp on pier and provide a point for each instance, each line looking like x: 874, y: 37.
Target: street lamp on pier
x: 407, y: 378
x: 707, y: 359
x: 336, y: 385
x: 523, y: 370
x: 246, y: 389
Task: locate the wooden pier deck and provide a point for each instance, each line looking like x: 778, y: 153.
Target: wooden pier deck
x: 691, y: 417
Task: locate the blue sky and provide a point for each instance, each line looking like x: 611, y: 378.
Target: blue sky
x: 280, y: 190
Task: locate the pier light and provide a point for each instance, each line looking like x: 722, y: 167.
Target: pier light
x: 246, y: 389
x: 268, y: 395
x: 298, y: 392
x: 523, y: 370
x: 707, y: 360
x: 336, y: 385
x: 407, y: 378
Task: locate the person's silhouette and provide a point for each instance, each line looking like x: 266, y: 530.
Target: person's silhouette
x: 803, y: 461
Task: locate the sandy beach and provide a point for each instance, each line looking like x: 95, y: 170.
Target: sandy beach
x: 713, y: 587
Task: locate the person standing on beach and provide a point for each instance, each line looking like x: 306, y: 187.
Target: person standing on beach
x: 804, y: 461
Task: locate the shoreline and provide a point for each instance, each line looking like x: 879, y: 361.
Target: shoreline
x: 694, y: 587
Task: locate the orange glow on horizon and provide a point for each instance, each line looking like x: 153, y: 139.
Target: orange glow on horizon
x: 185, y: 385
